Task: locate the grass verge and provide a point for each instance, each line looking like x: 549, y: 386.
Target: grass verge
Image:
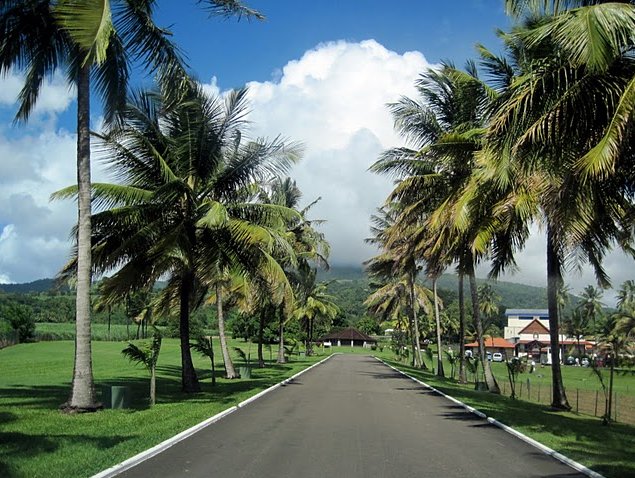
x: 607, y: 450
x: 37, y: 440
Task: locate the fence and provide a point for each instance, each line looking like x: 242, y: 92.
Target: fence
x: 8, y: 338
x: 587, y: 402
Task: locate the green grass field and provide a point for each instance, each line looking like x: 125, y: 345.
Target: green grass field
x: 37, y: 440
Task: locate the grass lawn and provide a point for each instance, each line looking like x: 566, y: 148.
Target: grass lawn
x: 607, y: 450
x: 36, y: 440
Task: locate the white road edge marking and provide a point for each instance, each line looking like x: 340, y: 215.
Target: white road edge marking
x: 545, y: 449
x: 164, y: 445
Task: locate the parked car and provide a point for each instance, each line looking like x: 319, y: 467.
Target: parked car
x: 585, y: 362
x: 569, y: 360
x: 497, y: 357
x: 489, y: 356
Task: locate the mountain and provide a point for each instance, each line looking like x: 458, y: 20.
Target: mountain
x: 513, y: 295
x: 40, y: 285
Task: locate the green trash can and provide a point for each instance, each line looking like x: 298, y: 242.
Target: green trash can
x: 245, y: 372
x: 302, y: 354
x: 115, y: 396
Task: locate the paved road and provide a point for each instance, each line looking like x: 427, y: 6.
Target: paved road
x: 351, y: 417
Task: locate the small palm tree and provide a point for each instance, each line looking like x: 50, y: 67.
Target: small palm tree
x: 146, y: 354
x: 205, y: 347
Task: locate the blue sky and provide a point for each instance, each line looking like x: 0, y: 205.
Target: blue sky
x: 238, y: 52
x: 319, y: 72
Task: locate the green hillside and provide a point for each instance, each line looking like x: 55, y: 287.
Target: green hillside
x: 513, y: 295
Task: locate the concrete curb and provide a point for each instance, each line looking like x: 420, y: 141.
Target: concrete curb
x: 164, y: 445
x: 544, y: 449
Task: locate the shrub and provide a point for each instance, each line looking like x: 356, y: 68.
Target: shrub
x: 21, y: 320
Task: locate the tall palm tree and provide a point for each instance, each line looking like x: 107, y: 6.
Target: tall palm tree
x: 397, y: 261
x: 95, y: 48
x: 309, y: 244
x: 591, y: 306
x: 445, y: 127
x: 179, y: 209
x: 546, y: 122
x: 314, y: 304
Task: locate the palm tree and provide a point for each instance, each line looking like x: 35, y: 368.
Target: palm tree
x: 536, y: 157
x: 147, y: 355
x: 613, y: 341
x: 180, y: 210
x: 626, y: 293
x: 626, y: 310
x: 445, y: 127
x: 590, y: 306
x: 95, y: 48
x: 314, y: 304
x: 397, y: 262
x: 391, y: 302
x: 309, y: 245
x: 576, y: 325
x: 205, y: 347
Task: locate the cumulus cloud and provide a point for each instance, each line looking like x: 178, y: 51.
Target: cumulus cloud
x: 333, y: 100
x: 55, y: 95
x: 37, y: 159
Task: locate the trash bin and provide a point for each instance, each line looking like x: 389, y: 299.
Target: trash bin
x: 481, y: 387
x: 115, y: 396
x: 245, y: 372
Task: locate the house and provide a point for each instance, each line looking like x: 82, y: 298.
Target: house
x: 518, y: 319
x: 349, y: 336
x: 528, y: 330
x: 493, y: 345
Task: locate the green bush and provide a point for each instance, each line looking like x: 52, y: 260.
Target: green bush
x: 20, y: 319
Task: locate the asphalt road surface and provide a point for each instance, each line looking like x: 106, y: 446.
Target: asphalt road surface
x: 351, y: 417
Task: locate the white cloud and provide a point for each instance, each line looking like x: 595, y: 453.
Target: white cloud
x: 37, y: 159
x: 55, y: 95
x: 333, y: 100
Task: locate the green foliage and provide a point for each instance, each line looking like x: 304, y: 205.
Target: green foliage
x: 20, y: 319
x: 514, y: 367
x: 245, y: 357
x: 368, y: 325
x: 146, y: 353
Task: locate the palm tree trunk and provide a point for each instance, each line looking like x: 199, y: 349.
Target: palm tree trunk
x: 462, y: 372
x: 490, y: 380
x: 309, y: 345
x: 281, y: 358
x: 109, y: 319
x: 83, y: 389
x: 440, y: 371
x: 230, y: 372
x: 554, y: 280
x: 189, y: 380
x: 418, y: 362
x: 261, y: 334
x: 413, y: 346
x: 609, y: 406
x: 153, y: 386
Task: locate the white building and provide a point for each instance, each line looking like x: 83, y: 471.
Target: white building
x: 518, y: 319
x: 528, y: 330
